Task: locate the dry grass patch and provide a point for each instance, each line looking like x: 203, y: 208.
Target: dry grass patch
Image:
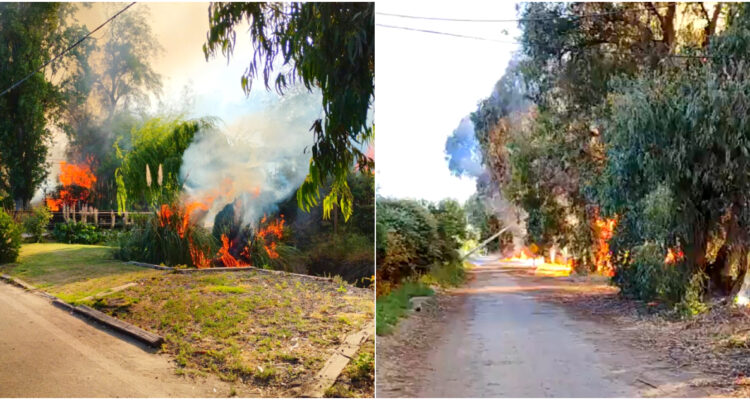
x: 272, y: 331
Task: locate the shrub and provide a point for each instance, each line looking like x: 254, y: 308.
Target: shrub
x: 451, y: 228
x: 349, y: 256
x: 411, y: 236
x: 36, y: 223
x: 77, y: 232
x: 166, y: 239
x: 10, y: 238
x: 646, y: 276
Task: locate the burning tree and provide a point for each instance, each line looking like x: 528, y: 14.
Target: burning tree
x: 75, y: 188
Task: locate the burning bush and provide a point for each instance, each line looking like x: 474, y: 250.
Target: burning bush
x: 648, y: 277
x: 168, y: 237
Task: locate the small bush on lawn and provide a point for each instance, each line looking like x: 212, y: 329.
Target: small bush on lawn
x: 36, y: 223
x: 77, y: 232
x: 394, y: 305
x: 10, y: 238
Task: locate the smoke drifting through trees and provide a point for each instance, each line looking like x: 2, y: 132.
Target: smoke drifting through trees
x: 257, y: 160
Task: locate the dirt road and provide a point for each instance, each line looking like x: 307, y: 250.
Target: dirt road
x: 46, y: 352
x: 495, y: 338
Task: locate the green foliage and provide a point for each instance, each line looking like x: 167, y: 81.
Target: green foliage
x: 446, y: 274
x: 326, y: 46
x: 692, y: 301
x: 36, y: 223
x: 126, y: 75
x: 412, y: 242
x: 157, y: 144
x: 10, y: 238
x: 648, y: 278
x: 157, y: 243
x: 77, y: 232
x: 419, y: 239
x: 394, y: 305
x: 32, y: 34
x: 451, y: 228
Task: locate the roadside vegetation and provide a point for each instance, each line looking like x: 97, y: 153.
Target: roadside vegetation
x: 272, y: 331
x: 635, y: 123
x: 622, y: 140
x: 418, y: 249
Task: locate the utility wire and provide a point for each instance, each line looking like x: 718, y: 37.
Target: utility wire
x: 446, y: 33
x: 573, y: 17
x: 71, y: 47
x: 519, y: 43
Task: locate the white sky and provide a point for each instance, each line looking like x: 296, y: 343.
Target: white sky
x: 425, y: 84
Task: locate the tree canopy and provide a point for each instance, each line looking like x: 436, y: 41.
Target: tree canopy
x: 326, y: 46
x: 32, y: 34
x: 638, y: 115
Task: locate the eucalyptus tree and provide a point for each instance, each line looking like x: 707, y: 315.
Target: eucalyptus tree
x: 325, y: 46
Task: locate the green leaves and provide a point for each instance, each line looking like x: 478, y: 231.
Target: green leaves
x: 325, y: 46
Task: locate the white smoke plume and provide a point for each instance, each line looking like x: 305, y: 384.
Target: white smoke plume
x: 256, y: 160
x: 57, y: 152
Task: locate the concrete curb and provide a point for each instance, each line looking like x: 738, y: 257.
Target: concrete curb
x: 17, y: 282
x: 126, y: 328
x: 337, y: 362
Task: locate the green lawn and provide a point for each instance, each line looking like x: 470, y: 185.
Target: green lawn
x: 268, y: 331
x: 73, y: 271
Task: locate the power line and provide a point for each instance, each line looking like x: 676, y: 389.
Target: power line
x: 71, y: 47
x: 515, y: 20
x: 519, y: 43
x: 446, y: 34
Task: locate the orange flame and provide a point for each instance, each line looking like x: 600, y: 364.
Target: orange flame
x: 79, y: 175
x: 604, y: 228
x: 541, y: 266
x: 76, y: 174
x: 673, y: 256
x: 165, y: 214
x: 267, y: 233
x: 199, y: 259
x: 227, y: 259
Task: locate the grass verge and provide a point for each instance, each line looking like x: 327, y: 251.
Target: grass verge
x: 73, y: 271
x: 270, y: 331
x: 394, y: 305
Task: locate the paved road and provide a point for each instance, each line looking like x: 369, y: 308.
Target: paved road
x: 498, y: 340
x: 46, y: 352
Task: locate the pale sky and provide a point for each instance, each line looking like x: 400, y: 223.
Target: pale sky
x: 426, y: 83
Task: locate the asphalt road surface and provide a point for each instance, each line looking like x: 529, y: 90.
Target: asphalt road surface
x: 46, y: 352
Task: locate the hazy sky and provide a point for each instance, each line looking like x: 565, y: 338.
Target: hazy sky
x: 425, y: 84
x: 181, y: 30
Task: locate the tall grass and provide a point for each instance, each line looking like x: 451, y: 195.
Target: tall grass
x: 161, y: 241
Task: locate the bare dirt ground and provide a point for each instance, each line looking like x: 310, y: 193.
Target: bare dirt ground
x: 46, y: 352
x: 501, y: 335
